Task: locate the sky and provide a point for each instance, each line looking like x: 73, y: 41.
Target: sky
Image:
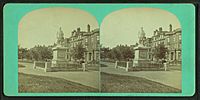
x: 39, y: 27
x: 122, y: 26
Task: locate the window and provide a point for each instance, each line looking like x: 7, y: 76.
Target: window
x: 97, y: 56
x: 179, y: 37
x: 67, y: 57
x: 90, y: 56
x: 86, y: 40
x: 174, y: 39
x: 79, y: 36
x: 172, y: 54
x: 97, y: 37
x: 91, y: 39
x: 179, y: 55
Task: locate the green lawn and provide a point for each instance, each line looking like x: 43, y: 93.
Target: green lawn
x: 175, y: 67
x: 40, y: 84
x: 121, y: 83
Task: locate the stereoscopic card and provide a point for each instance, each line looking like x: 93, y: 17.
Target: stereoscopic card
x: 93, y: 49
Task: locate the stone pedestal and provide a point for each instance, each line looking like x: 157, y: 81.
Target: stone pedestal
x: 141, y: 56
x: 59, y: 54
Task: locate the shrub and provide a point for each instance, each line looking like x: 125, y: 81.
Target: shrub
x: 20, y: 66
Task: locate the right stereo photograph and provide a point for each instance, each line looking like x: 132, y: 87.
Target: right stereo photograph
x: 141, y: 51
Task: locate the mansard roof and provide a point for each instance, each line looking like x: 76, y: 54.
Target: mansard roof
x: 177, y: 30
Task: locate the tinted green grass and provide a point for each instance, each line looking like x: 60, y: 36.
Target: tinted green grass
x: 42, y: 84
x: 122, y: 83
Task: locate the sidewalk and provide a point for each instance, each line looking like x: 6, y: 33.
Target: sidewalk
x: 170, y: 78
x: 88, y: 78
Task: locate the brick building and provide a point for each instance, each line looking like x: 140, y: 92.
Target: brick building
x: 170, y: 38
x: 89, y: 40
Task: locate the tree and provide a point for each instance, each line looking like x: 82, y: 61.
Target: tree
x: 120, y: 52
x: 105, y: 52
x: 28, y: 55
x: 78, y: 52
x: 22, y: 52
x: 116, y: 54
x: 19, y: 52
x: 35, y: 54
x: 159, y: 52
x: 127, y: 52
x: 38, y: 52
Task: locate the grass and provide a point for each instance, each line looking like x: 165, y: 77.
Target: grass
x: 175, y: 67
x: 40, y: 84
x: 122, y: 83
x: 92, y: 67
x: 21, y: 66
x: 40, y: 64
x: 103, y: 65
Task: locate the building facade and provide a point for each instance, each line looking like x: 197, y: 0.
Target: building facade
x: 88, y: 39
x: 171, y: 39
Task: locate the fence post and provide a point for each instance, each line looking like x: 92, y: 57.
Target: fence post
x: 127, y: 65
x: 116, y: 64
x: 165, y: 66
x: 83, y: 65
x: 47, y: 68
x: 134, y: 65
x: 34, y: 66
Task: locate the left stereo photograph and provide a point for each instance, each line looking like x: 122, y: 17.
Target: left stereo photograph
x: 58, y: 51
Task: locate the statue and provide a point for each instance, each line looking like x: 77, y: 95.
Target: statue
x: 60, y: 37
x: 59, y: 52
x: 141, y: 36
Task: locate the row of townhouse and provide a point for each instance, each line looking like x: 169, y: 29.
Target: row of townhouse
x: 171, y: 39
x: 89, y: 40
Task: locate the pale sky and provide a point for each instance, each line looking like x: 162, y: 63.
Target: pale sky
x: 122, y: 26
x: 40, y: 26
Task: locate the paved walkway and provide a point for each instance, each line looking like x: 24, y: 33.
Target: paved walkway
x: 88, y: 78
x: 170, y: 78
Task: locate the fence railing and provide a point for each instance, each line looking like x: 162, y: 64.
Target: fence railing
x: 122, y: 65
x: 61, y: 66
x: 25, y: 60
x: 129, y: 64
x: 42, y: 65
x: 108, y: 60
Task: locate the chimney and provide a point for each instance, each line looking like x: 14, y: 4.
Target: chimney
x: 74, y: 31
x: 78, y: 30
x: 88, y: 28
x: 154, y: 33
x: 160, y: 29
x: 170, y: 27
